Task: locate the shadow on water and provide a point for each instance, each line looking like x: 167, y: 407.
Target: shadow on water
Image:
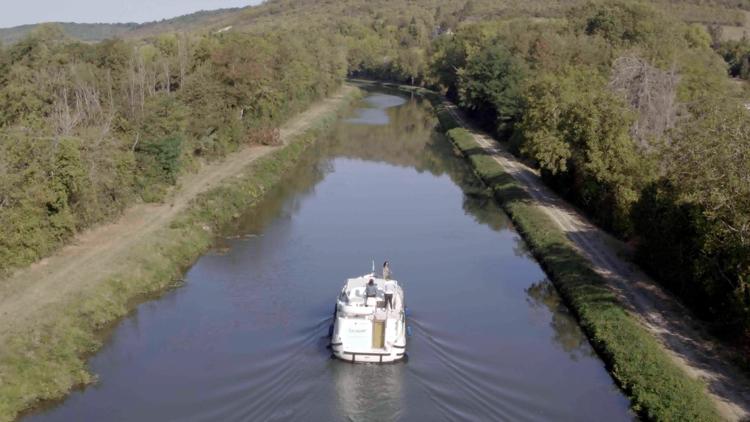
x: 246, y: 337
x: 543, y: 297
x: 406, y: 138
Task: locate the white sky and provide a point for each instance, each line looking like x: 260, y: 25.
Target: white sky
x: 20, y: 12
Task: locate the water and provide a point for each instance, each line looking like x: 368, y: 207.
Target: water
x: 245, y: 337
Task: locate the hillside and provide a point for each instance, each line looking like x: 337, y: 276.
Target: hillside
x: 93, y: 32
x: 729, y: 15
x: 88, y: 32
x: 623, y: 107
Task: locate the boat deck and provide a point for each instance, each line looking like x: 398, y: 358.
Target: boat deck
x: 352, y: 298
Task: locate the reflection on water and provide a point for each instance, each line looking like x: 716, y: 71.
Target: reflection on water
x: 245, y: 338
x: 373, y: 110
x: 369, y: 392
x: 544, y: 297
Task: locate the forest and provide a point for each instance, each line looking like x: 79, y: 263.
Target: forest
x: 87, y: 129
x: 625, y: 107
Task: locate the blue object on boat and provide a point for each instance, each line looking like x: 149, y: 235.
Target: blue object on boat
x: 408, y: 330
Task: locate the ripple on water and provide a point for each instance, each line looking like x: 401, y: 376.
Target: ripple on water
x: 245, y: 337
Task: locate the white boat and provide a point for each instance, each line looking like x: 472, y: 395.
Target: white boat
x: 367, y: 330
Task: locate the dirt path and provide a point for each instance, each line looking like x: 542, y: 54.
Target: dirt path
x: 96, y: 254
x: 683, y: 337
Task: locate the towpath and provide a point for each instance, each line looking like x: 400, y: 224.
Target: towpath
x: 683, y: 337
x: 29, y: 296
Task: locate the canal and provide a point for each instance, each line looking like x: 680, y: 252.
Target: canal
x: 245, y: 337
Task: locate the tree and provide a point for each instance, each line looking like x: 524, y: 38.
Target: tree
x: 577, y: 130
x: 694, y: 224
x: 491, y: 85
x: 650, y: 92
x: 412, y: 63
x: 708, y: 162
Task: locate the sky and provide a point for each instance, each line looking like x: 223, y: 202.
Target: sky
x: 21, y: 12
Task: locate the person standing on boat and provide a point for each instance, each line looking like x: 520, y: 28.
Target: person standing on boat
x: 371, y: 290
x: 389, y: 288
x: 386, y: 271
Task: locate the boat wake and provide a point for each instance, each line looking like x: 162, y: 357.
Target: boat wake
x: 487, y: 394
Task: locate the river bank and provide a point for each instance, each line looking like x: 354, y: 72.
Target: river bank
x: 52, y: 323
x: 670, y: 368
x: 658, y: 388
x: 656, y: 351
x: 245, y: 336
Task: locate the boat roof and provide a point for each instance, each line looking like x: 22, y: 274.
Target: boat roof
x: 362, y: 281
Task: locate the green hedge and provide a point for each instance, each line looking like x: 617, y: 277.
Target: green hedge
x: 659, y: 390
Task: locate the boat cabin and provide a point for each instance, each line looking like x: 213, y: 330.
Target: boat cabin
x: 365, y: 329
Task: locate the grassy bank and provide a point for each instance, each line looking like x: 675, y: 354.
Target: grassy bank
x: 658, y: 388
x: 47, y: 361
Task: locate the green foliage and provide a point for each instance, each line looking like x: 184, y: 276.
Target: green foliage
x: 633, y: 24
x: 578, y: 131
x: 658, y: 388
x: 737, y: 56
x: 491, y: 82
x: 698, y: 37
x: 580, y: 113
x: 703, y: 75
x: 669, y: 238
x: 47, y: 362
x: 160, y: 159
x: 49, y: 359
x: 619, y: 22
x: 88, y: 128
x: 703, y: 208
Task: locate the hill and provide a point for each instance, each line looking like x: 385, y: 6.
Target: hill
x: 728, y: 15
x: 94, y: 32
x: 623, y: 106
x: 89, y: 32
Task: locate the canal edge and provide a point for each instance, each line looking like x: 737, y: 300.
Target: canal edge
x: 49, y: 360
x: 657, y: 387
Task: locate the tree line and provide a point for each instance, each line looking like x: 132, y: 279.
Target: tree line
x: 87, y: 129
x: 624, y: 107
x: 627, y: 112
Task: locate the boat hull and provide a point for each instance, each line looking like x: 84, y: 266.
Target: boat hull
x: 351, y: 349
x: 368, y: 357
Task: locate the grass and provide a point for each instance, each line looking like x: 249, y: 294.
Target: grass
x: 49, y: 360
x: 659, y: 390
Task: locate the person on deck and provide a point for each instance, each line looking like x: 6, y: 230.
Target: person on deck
x: 389, y: 289
x: 371, y: 290
x: 386, y: 270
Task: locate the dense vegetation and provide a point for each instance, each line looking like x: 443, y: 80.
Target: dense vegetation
x: 737, y: 55
x: 658, y: 388
x: 623, y: 105
x: 627, y: 112
x: 45, y: 362
x: 87, y: 129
